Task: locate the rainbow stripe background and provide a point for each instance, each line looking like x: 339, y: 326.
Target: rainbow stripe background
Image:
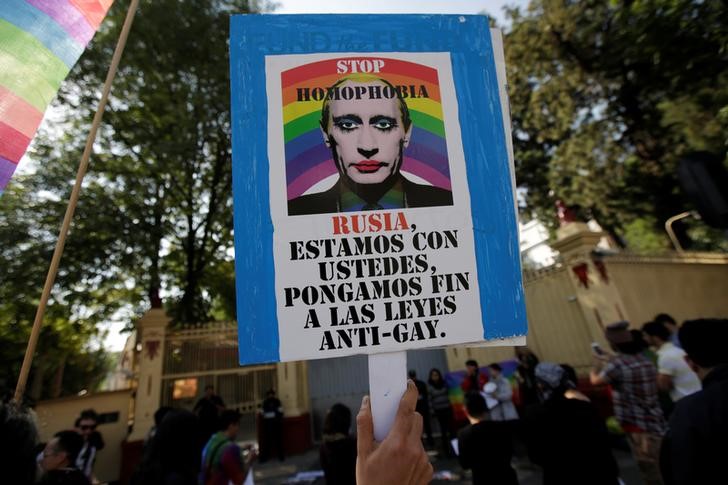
x: 40, y: 41
x: 308, y: 160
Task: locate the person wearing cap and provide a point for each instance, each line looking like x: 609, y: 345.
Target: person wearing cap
x: 633, y: 379
x: 565, y: 434
x: 696, y: 445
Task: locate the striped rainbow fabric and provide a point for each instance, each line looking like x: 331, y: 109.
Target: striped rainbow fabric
x: 40, y: 40
x: 308, y: 160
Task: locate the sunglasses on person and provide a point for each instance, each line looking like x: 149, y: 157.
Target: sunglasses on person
x: 88, y: 427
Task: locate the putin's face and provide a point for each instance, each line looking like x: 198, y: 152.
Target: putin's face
x: 366, y: 136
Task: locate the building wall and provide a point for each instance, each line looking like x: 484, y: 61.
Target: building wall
x: 557, y: 329
x: 345, y: 380
x: 686, y: 287
x: 565, y: 316
x: 60, y: 414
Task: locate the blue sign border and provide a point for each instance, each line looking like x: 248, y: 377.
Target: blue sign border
x: 467, y: 38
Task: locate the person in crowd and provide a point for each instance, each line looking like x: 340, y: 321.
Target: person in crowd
x: 563, y: 427
x: 18, y: 441
x: 644, y: 347
x: 504, y: 409
x: 423, y: 406
x: 58, y: 460
x: 400, y: 458
x: 440, y: 403
x: 173, y: 456
x: 222, y: 461
x: 633, y: 379
x: 671, y: 326
x: 527, y: 362
x: 474, y: 380
x: 571, y: 381
x: 485, y: 446
x: 338, y: 447
x: 663, y: 396
x: 272, y: 436
x: 208, y: 409
x: 696, y: 446
x: 159, y: 415
x: 93, y: 441
x: 674, y: 374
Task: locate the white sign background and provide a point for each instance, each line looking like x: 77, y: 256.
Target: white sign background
x: 463, y: 326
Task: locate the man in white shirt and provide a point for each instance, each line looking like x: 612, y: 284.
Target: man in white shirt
x: 674, y: 375
x: 671, y: 326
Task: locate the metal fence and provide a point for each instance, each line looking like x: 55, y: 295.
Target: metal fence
x: 208, y: 355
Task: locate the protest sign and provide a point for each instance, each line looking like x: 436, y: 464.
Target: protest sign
x: 373, y: 188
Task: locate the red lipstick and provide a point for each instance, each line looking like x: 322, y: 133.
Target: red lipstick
x: 368, y: 166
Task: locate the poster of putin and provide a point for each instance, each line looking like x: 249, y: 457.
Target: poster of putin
x: 373, y: 186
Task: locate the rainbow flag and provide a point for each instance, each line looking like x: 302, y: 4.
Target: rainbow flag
x: 308, y: 160
x: 454, y: 380
x: 40, y: 41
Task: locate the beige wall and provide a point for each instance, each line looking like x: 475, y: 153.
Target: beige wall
x: 692, y: 286
x: 564, y: 317
x: 60, y: 414
x: 557, y: 328
x: 292, y: 388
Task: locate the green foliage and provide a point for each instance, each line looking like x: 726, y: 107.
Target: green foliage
x: 28, y: 236
x: 155, y: 208
x: 641, y: 237
x: 607, y: 96
x: 161, y: 175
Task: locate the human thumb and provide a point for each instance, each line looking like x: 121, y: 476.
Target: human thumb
x: 364, y: 429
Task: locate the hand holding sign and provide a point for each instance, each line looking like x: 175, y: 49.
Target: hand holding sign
x: 373, y: 190
x: 400, y: 458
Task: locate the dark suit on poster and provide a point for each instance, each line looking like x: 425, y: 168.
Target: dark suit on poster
x: 415, y: 195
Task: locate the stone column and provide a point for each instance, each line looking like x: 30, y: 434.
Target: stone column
x: 596, y: 294
x: 292, y: 390
x: 151, y: 331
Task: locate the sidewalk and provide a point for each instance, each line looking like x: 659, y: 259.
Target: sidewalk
x: 276, y: 473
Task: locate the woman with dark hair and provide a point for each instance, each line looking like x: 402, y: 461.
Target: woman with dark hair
x: 338, y: 450
x: 173, y: 456
x: 440, y: 404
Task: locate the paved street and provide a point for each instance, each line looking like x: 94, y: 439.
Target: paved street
x: 276, y: 473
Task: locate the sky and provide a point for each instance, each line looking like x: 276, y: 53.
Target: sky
x: 493, y: 7
x: 115, y: 340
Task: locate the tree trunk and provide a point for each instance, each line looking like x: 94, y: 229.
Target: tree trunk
x: 36, y: 384
x: 57, y: 384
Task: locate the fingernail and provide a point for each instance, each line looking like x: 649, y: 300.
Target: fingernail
x: 365, y: 401
x: 410, y: 383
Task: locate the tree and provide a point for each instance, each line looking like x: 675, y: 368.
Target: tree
x: 607, y: 95
x: 164, y: 161
x: 155, y: 208
x: 66, y: 361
